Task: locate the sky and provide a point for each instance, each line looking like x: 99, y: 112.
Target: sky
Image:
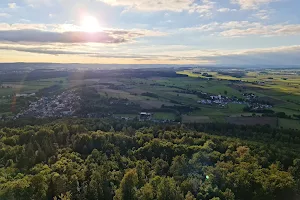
x: 226, y: 32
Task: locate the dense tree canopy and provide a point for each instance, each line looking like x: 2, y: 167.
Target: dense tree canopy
x: 94, y: 159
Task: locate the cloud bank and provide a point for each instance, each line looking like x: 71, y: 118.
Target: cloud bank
x: 200, y: 6
x: 246, y: 28
x: 251, y: 4
x: 39, y: 33
x: 284, y: 55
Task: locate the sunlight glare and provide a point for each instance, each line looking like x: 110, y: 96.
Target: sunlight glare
x: 90, y: 24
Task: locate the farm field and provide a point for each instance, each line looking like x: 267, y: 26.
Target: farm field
x: 126, y: 115
x: 164, y: 116
x: 287, y: 123
x: 155, y: 93
x: 273, y: 122
x: 10, y: 88
x: 279, y: 87
x: 189, y: 95
x: 196, y: 119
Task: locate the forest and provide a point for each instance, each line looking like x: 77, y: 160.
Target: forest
x: 85, y: 159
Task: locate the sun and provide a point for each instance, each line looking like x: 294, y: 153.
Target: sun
x: 90, y: 24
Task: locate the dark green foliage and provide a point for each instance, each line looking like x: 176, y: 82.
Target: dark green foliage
x: 127, y: 190
x: 95, y: 159
x: 168, y: 190
x: 149, y: 94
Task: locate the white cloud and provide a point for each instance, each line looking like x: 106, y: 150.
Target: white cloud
x: 203, y: 28
x: 284, y: 55
x: 24, y: 21
x: 12, y: 5
x: 6, y: 15
x: 226, y: 10
x: 68, y: 33
x: 262, y: 14
x: 16, y: 26
x: 246, y: 28
x: 251, y: 4
x: 35, y: 3
x: 165, y: 5
x: 263, y: 30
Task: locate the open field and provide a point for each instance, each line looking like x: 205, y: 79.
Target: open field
x: 195, y: 119
x: 288, y: 111
x: 230, y: 109
x: 30, y: 86
x: 173, y: 92
x: 9, y: 89
x: 170, y: 97
x: 282, y: 81
x: 253, y: 121
x: 148, y: 104
x: 279, y: 87
x: 126, y: 115
x: 164, y: 116
x: 6, y: 91
x: 289, y: 124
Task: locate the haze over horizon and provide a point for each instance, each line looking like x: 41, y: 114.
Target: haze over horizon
x: 250, y: 32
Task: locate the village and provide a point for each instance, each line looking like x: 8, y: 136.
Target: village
x: 61, y: 105
x: 249, y: 100
x: 68, y: 102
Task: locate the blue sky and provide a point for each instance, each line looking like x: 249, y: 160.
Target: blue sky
x: 151, y: 31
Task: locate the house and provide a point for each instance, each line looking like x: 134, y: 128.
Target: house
x: 205, y: 101
x: 217, y: 97
x: 25, y: 95
x: 145, y: 116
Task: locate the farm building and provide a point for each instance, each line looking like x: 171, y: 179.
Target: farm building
x: 145, y: 116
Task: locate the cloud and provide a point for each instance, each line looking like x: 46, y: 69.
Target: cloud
x: 20, y: 26
x: 6, y: 15
x: 251, y: 4
x: 35, y: 3
x: 12, y: 5
x: 263, y: 30
x: 24, y: 21
x: 204, y: 7
x: 226, y: 10
x: 262, y: 14
x: 40, y: 50
x: 41, y: 33
x: 65, y: 37
x: 88, y: 52
x: 246, y: 28
x: 284, y: 55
